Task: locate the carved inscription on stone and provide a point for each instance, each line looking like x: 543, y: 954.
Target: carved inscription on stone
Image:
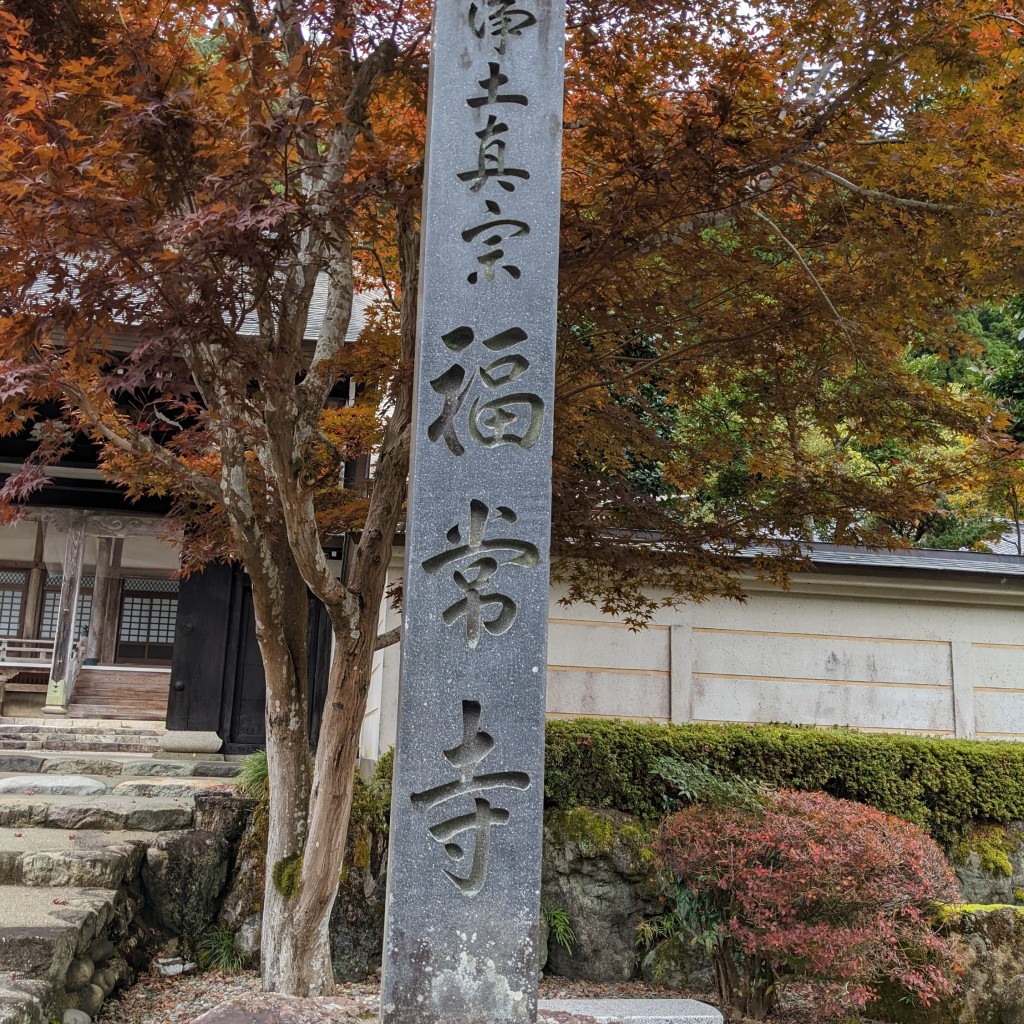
x: 464, y: 871
x: 476, y: 563
x: 454, y: 833
x: 514, y: 415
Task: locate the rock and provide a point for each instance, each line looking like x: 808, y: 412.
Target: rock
x: 183, y: 877
x: 188, y: 742
x: 81, y: 766
x: 357, y: 920
x: 171, y: 966
x: 596, y: 870
x: 248, y: 938
x: 215, y: 769
x: 156, y: 817
x: 61, y: 785
x: 20, y: 763
x: 227, y: 814
x: 90, y: 999
x: 73, y: 1016
x: 86, y: 868
x: 101, y: 951
x: 106, y: 979
x: 1013, y: 1001
x: 162, y: 769
x: 86, y: 816
x: 79, y: 974
x: 542, y: 943
x: 23, y: 813
x: 169, y: 788
x: 677, y: 964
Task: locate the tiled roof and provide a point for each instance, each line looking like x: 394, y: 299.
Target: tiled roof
x: 917, y: 560
x: 361, y: 302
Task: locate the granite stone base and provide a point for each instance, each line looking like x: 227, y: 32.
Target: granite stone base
x: 178, y: 742
x: 265, y: 1008
x: 626, y: 1011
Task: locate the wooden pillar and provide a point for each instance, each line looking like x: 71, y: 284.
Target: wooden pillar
x: 681, y: 656
x: 962, y: 658
x: 112, y: 606
x: 98, y: 621
x: 36, y: 585
x: 58, y: 693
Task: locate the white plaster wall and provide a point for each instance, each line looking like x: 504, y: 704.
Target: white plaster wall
x: 150, y: 553
x: 870, y: 652
x: 17, y: 542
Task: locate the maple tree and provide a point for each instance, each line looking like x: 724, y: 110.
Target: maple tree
x: 764, y: 203
x: 805, y: 887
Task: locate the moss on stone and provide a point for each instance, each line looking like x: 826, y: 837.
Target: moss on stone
x: 251, y: 860
x: 286, y: 875
x: 992, y: 845
x: 950, y: 913
x: 598, y: 833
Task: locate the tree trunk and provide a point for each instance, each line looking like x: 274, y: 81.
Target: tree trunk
x: 296, y: 941
x: 281, y: 605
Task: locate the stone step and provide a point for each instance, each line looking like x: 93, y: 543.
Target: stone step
x: 59, y: 724
x: 96, y: 764
x: 67, y: 733
x: 23, y: 1000
x: 127, y: 744
x: 103, y: 812
x: 41, y: 784
x: 46, y: 927
x: 91, y: 860
x: 96, y: 709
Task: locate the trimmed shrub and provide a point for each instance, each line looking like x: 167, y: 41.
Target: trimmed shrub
x: 942, y: 785
x: 806, y: 887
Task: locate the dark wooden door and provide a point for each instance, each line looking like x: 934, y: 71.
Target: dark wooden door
x: 217, y: 679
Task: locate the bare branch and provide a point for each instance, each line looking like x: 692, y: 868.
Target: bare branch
x: 870, y: 193
x: 392, y: 636
x: 803, y: 263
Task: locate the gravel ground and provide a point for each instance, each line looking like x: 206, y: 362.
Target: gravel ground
x: 179, y: 1000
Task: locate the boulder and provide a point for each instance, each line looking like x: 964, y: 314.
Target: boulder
x: 597, y: 871
x: 677, y: 964
x: 101, y: 951
x: 227, y: 814
x: 90, y: 999
x: 79, y: 974
x: 1013, y: 1001
x: 989, y: 864
x: 357, y: 920
x: 183, y: 877
x: 248, y: 938
x: 73, y: 1016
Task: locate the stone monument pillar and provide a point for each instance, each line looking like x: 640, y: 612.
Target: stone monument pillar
x: 464, y: 874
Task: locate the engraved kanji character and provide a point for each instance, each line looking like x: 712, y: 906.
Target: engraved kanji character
x: 502, y: 18
x: 510, y: 418
x: 490, y: 259
x: 480, y: 561
x: 491, y: 159
x: 492, y: 83
x: 475, y: 746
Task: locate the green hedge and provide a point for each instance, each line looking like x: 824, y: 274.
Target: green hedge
x: 942, y: 785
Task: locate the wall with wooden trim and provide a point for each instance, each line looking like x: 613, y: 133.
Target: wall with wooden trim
x: 876, y: 652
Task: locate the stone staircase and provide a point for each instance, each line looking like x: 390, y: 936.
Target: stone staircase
x: 91, y: 841
x: 60, y: 733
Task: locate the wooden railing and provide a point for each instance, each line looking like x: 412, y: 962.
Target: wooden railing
x: 16, y: 651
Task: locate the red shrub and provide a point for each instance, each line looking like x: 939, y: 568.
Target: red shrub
x: 809, y: 887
